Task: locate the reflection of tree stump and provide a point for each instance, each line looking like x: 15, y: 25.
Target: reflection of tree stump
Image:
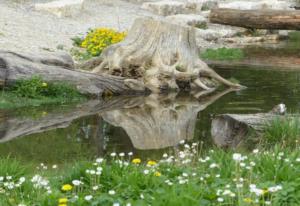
x: 161, y: 121
x: 160, y: 54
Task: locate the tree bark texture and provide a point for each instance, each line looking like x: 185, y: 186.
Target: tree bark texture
x: 257, y: 19
x: 60, y: 67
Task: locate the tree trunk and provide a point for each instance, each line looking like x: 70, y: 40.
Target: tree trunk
x: 257, y: 19
x: 228, y: 130
x: 60, y: 67
x: 159, y: 54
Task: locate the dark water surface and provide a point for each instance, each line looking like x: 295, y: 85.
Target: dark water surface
x: 147, y: 126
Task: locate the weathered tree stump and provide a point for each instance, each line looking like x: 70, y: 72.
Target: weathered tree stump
x: 257, y: 19
x: 160, y: 54
x: 60, y: 67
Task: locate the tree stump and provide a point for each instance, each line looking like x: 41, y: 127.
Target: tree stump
x: 160, y: 54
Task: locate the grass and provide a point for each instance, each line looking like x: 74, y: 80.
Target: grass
x: 284, y: 130
x: 186, y: 176
x: 223, y: 54
x: 36, y: 92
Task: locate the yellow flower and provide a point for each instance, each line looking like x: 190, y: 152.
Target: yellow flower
x: 66, y: 187
x: 157, y: 174
x: 44, y: 84
x: 136, y: 161
x: 62, y: 200
x: 248, y: 200
x: 151, y: 163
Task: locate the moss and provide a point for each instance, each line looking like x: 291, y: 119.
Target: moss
x: 223, y: 54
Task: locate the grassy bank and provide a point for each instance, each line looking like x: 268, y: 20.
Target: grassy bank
x: 223, y: 54
x: 36, y: 92
x: 188, y: 176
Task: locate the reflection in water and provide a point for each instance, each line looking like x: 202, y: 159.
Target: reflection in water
x: 161, y: 120
x: 64, y: 133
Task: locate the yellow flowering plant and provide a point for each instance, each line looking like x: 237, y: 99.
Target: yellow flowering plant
x: 66, y: 187
x: 98, y: 39
x: 136, y: 161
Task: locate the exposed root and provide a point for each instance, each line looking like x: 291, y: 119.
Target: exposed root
x: 160, y: 55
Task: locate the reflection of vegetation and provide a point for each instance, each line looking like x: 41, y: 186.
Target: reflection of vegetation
x: 55, y: 146
x: 35, y: 92
x: 223, y: 54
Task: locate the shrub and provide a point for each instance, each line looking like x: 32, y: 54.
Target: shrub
x: 36, y: 88
x: 98, y: 39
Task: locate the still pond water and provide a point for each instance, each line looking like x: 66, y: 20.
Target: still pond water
x: 147, y: 126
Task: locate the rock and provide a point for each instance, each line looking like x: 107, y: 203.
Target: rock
x: 216, y: 31
x: 62, y: 8
x: 165, y: 8
x: 188, y: 19
x: 209, y: 4
x: 249, y: 40
x: 254, y: 5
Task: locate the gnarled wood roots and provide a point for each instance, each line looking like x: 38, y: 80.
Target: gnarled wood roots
x: 160, y: 54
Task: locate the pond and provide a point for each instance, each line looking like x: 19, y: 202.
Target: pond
x: 147, y: 126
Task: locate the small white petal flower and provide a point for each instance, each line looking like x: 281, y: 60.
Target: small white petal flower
x: 95, y: 187
x: 88, y: 197
x: 113, y: 154
x: 76, y: 182
x: 99, y: 160
x: 255, y: 151
x: 220, y: 199
x: 130, y: 153
x: 146, y: 172
x: 111, y: 192
x: 122, y: 154
x: 116, y: 204
x: 237, y: 157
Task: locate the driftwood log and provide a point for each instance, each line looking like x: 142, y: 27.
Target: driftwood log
x: 60, y: 67
x: 257, y: 19
x: 162, y: 55
x: 228, y: 130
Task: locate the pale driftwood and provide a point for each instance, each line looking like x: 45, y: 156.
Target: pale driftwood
x: 160, y: 54
x: 60, y: 67
x: 257, y: 19
x: 228, y: 130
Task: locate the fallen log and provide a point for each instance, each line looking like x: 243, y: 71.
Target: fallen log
x: 60, y: 67
x: 257, y: 19
x: 228, y: 130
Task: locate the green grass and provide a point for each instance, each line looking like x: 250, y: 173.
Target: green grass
x: 223, y: 54
x: 184, y: 177
x: 282, y: 130
x: 36, y: 92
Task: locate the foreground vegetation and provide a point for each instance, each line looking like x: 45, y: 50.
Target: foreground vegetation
x: 187, y: 175
x: 35, y: 92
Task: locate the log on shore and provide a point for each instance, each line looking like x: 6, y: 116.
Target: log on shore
x: 257, y: 19
x: 228, y: 130
x: 60, y: 67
